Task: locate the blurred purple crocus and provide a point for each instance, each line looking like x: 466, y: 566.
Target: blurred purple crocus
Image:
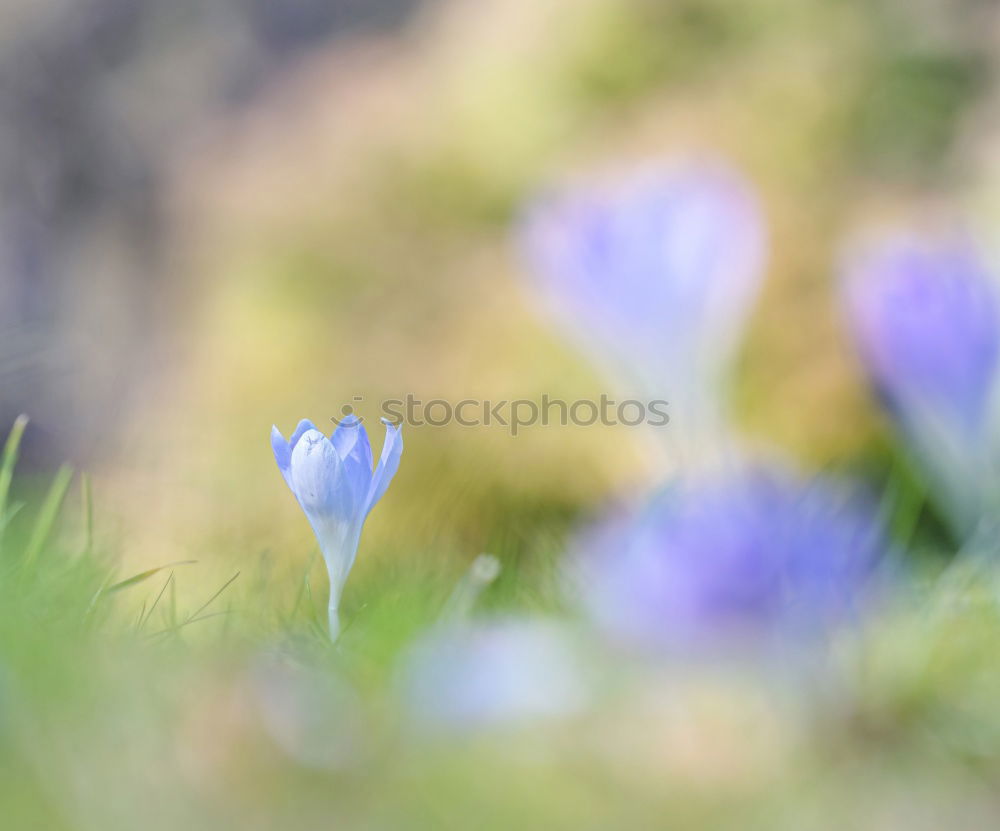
x: 653, y: 274
x: 925, y: 317
x: 729, y: 559
x: 333, y: 481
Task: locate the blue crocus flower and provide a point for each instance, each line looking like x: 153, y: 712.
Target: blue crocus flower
x: 727, y: 559
x: 925, y: 317
x: 924, y: 314
x: 653, y: 274
x: 333, y: 480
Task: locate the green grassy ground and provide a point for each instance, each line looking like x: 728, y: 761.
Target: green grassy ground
x: 169, y: 699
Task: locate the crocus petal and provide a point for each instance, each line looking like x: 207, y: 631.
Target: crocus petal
x: 316, y: 477
x: 926, y: 319
x: 301, y: 429
x: 345, y: 436
x: 351, y: 442
x: 283, y: 449
x: 388, y: 463
x: 282, y: 454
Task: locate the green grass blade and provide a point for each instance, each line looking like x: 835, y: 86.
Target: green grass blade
x: 10, y: 452
x: 304, y: 588
x: 87, y: 504
x: 144, y: 575
x: 8, y: 517
x: 212, y: 599
x: 172, y: 616
x: 198, y: 615
x: 47, y: 515
x: 97, y: 596
x: 145, y: 618
x: 160, y: 633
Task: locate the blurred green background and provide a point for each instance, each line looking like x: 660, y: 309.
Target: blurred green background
x: 351, y: 235
x: 249, y: 224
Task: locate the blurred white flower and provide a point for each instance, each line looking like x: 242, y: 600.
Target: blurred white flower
x: 311, y: 714
x: 505, y: 672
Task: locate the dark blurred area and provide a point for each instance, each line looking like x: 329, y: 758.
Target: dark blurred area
x: 97, y: 98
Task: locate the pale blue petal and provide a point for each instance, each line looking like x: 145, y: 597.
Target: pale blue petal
x: 345, y: 436
x: 282, y: 454
x: 316, y: 478
x: 303, y: 427
x: 388, y: 464
x: 351, y: 442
